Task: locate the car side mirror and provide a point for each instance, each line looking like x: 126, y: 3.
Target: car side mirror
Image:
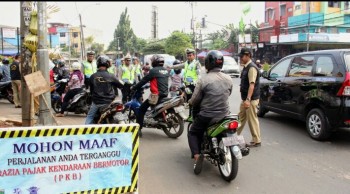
x: 272, y: 77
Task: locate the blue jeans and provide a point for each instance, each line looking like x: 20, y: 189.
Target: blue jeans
x: 92, y: 112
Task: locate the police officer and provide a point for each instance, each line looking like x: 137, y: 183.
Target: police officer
x: 127, y: 74
x: 192, y: 69
x: 210, y: 97
x: 137, y: 67
x: 250, y: 94
x: 113, y: 70
x: 89, y: 67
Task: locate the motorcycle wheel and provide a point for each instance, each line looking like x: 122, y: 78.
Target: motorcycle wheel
x: 10, y: 96
x: 57, y: 106
x: 175, y: 121
x: 131, y: 116
x: 229, y: 169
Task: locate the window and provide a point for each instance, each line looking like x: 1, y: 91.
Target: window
x: 62, y: 45
x: 62, y: 34
x: 347, y: 5
x: 297, y: 7
x: 334, y: 4
x: 75, y: 45
x: 280, y: 69
x: 271, y: 14
x: 333, y: 30
x: 324, y: 66
x: 283, y: 10
x: 75, y: 34
x: 347, y: 30
x: 301, y: 66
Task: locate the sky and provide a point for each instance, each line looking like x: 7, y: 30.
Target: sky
x: 172, y: 16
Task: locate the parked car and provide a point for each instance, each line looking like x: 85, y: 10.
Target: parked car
x: 231, y: 67
x: 310, y: 86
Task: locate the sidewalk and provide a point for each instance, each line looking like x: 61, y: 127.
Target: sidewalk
x: 9, y: 112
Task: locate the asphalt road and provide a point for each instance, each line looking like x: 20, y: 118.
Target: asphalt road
x: 288, y: 161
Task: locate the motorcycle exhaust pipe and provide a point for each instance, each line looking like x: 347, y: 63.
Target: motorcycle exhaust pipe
x: 237, y: 152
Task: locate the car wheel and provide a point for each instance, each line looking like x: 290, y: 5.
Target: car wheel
x: 261, y: 110
x: 317, y: 125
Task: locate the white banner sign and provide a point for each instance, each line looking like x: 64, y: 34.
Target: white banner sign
x: 9, y: 32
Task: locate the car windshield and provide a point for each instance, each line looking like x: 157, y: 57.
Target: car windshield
x: 229, y: 61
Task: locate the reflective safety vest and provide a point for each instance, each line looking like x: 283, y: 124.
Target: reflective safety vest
x: 89, y: 68
x: 191, y: 71
x: 137, y: 69
x: 111, y: 69
x: 128, y: 75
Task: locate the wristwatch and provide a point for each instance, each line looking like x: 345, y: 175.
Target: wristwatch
x: 248, y: 99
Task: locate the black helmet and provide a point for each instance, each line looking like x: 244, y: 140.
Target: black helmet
x: 5, y: 61
x: 214, y: 59
x: 157, y: 60
x: 103, y: 60
x: 176, y: 62
x: 61, y: 63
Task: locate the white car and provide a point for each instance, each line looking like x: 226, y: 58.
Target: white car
x: 231, y: 67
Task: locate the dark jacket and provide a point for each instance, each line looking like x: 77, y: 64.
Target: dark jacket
x: 212, y: 93
x: 101, y: 84
x: 14, y: 71
x: 244, y: 87
x: 159, y: 81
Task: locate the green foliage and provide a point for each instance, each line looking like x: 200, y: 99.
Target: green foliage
x: 177, y: 43
x: 154, y: 48
x: 98, y: 48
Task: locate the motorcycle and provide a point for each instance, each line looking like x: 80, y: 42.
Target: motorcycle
x: 80, y: 104
x: 56, y: 94
x: 166, y: 115
x: 6, y: 91
x: 112, y: 113
x: 230, y: 148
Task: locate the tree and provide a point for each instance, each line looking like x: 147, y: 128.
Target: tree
x: 154, y: 48
x: 98, y: 48
x: 177, y: 43
x: 89, y: 40
x: 124, y: 33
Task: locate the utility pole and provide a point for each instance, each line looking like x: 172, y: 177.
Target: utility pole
x: 308, y: 28
x: 43, y: 62
x: 82, y: 50
x: 193, y: 26
x: 27, y: 107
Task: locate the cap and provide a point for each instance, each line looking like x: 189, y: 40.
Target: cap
x: 127, y: 57
x: 91, y: 52
x: 257, y: 61
x: 244, y: 51
x: 189, y: 51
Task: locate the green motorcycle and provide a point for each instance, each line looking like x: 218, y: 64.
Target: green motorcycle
x: 223, y: 147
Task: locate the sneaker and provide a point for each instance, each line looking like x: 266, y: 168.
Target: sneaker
x: 197, y: 168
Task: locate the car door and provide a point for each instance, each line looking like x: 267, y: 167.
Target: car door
x: 299, y: 84
x: 272, y: 89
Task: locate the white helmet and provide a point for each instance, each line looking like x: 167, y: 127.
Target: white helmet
x: 76, y: 66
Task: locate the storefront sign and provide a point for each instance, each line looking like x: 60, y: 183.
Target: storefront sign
x: 288, y: 38
x: 83, y: 159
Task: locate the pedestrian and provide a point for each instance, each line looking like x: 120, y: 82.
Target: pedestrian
x: 89, y: 67
x: 257, y: 62
x: 250, y: 94
x: 16, y: 80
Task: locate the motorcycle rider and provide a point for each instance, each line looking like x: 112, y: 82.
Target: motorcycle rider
x: 159, y: 80
x: 89, y: 67
x: 74, y: 87
x: 210, y: 97
x: 192, y: 69
x: 176, y: 78
x: 5, y: 70
x: 62, y: 73
x: 101, y: 87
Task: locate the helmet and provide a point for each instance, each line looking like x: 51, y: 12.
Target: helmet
x: 214, y: 59
x: 76, y: 66
x: 177, y: 71
x: 157, y: 60
x: 103, y: 60
x: 176, y: 62
x: 61, y: 63
x: 5, y: 61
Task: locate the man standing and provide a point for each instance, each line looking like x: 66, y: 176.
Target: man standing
x: 127, y: 75
x: 138, y: 70
x: 89, y: 67
x: 16, y: 80
x: 250, y: 94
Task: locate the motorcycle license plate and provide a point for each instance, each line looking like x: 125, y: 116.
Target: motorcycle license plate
x: 179, y: 109
x: 233, y: 140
